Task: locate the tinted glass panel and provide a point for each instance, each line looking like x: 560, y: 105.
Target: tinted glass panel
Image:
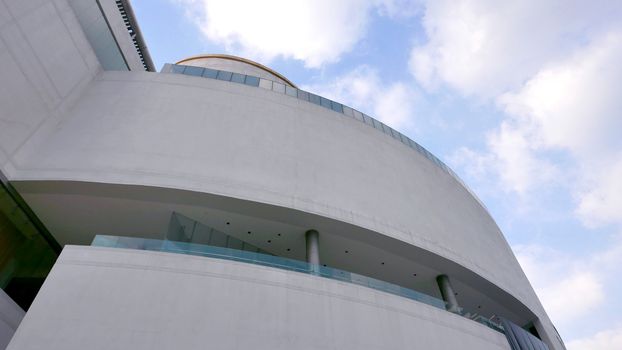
x: 314, y: 99
x: 266, y: 84
x: 291, y: 91
x: 237, y: 78
x: 376, y: 124
x: 196, y: 71
x: 250, y: 80
x: 210, y: 73
x: 325, y: 102
x: 348, y: 111
x: 25, y: 256
x: 404, y: 139
x: 303, y: 95
x: 177, y: 69
x: 386, y: 129
x: 337, y: 107
x: 278, y: 87
x: 357, y: 115
x: 369, y: 120
x: 222, y: 75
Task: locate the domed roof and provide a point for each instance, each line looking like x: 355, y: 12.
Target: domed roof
x: 235, y: 64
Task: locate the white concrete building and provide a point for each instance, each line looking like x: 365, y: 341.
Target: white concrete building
x: 216, y: 205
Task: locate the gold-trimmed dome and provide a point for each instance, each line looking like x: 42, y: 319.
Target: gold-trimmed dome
x: 201, y: 61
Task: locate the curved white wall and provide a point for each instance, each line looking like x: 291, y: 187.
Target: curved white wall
x: 224, y: 138
x: 128, y: 299
x: 227, y: 139
x: 217, y: 137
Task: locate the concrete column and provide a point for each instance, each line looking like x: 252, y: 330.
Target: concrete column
x: 313, y: 247
x: 447, y: 291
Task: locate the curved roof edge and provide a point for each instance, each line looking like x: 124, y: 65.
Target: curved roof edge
x: 239, y: 59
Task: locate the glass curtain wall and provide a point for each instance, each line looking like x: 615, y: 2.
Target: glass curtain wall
x: 25, y: 256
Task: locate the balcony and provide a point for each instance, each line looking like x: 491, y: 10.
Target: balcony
x: 253, y: 255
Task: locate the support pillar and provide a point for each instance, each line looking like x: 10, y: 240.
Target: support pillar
x: 313, y: 247
x: 447, y: 291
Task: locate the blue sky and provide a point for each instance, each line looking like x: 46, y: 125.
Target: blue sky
x: 521, y: 98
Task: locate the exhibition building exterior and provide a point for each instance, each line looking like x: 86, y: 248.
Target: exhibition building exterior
x: 214, y: 204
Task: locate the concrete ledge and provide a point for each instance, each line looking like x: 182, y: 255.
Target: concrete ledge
x: 108, y: 298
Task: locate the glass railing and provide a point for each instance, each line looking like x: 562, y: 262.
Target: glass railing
x: 490, y: 322
x: 318, y: 100
x: 281, y: 263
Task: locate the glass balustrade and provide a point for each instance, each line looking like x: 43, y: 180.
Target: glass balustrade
x: 281, y: 263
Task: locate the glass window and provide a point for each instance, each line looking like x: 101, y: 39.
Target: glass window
x: 251, y: 80
x: 358, y: 115
x: 303, y: 95
x: 428, y: 155
x: 313, y: 98
x: 191, y: 70
x: 421, y: 149
x: 444, y: 167
x: 325, y: 102
x: 278, y: 87
x: 218, y: 239
x: 266, y: 84
x: 337, y: 107
x: 222, y: 75
x: 377, y: 124
x: 210, y: 73
x: 404, y: 139
x: 290, y: 91
x: 177, y: 69
x: 27, y: 257
x: 386, y: 129
x: 237, y: 78
x: 348, y: 111
x: 395, y: 134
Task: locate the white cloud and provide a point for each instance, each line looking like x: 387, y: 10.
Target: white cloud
x: 519, y: 168
x: 604, y: 340
x: 587, y: 294
x: 572, y: 106
x: 601, y: 202
x: 575, y: 290
x: 314, y: 31
x: 568, y: 288
x: 398, y: 8
x: 553, y: 68
x: 511, y: 157
x: 392, y: 103
x: 485, y: 48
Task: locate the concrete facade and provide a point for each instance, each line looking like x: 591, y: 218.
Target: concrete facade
x: 149, y: 300
x: 268, y: 163
x: 99, y: 152
x: 11, y: 316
